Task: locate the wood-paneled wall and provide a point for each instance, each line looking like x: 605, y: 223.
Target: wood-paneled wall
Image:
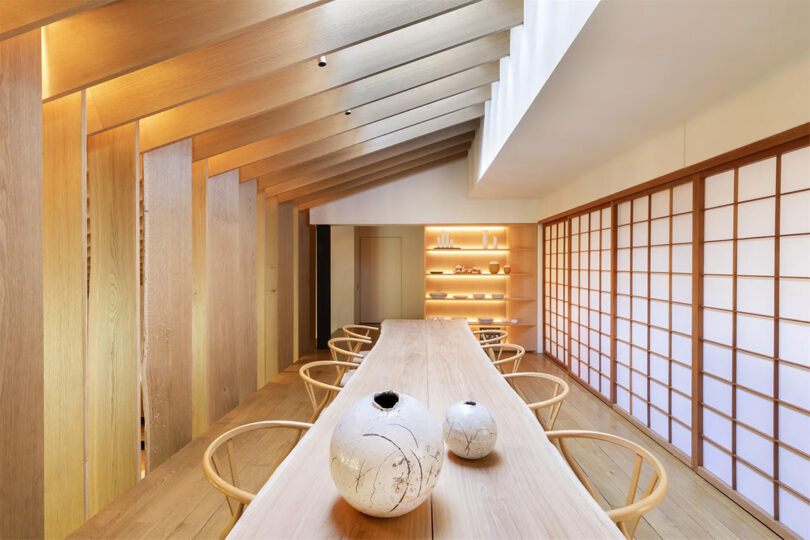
x: 199, y: 310
x: 64, y: 231
x: 245, y: 283
x: 285, y: 285
x: 21, y: 327
x: 261, y: 296
x: 113, y: 322
x: 306, y: 284
x: 167, y: 354
x: 222, y: 207
x: 271, y: 348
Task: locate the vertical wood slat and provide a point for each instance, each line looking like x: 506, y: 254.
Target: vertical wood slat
x: 245, y: 283
x: 113, y: 321
x: 306, y: 289
x: 261, y: 296
x: 167, y: 311
x: 698, y: 195
x: 199, y: 328
x: 285, y: 288
x: 65, y: 310
x: 21, y: 303
x: 222, y: 238
x: 271, y: 348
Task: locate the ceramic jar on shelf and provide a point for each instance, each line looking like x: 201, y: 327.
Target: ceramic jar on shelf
x: 494, y: 266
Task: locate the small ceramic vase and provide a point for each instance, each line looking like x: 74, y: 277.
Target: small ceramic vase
x: 494, y: 266
x: 386, y: 454
x: 507, y: 268
x: 469, y: 430
x: 485, y: 242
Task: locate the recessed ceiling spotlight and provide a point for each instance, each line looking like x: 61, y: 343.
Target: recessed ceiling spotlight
x: 322, y: 61
x: 348, y: 112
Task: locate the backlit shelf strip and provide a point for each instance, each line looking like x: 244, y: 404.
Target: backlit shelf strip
x: 477, y: 250
x: 461, y: 274
x: 449, y: 298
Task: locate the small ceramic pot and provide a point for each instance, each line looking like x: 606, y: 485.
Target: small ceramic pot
x: 494, y: 266
x: 386, y: 454
x: 469, y: 430
x: 507, y: 268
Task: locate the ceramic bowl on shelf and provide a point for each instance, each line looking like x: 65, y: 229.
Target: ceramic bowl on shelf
x: 478, y: 296
x: 438, y: 295
x: 437, y: 271
x: 460, y: 296
x: 497, y: 296
x: 507, y: 268
x: 514, y: 321
x: 485, y: 320
x: 494, y: 266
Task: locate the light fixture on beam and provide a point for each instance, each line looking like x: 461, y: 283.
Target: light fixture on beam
x: 322, y: 61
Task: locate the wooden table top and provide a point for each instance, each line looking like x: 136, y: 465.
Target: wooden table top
x: 523, y: 489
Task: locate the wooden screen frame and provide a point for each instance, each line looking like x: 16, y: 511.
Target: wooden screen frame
x: 786, y: 141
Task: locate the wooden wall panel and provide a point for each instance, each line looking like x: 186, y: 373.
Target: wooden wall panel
x: 199, y: 328
x: 285, y: 286
x: 167, y: 355
x: 306, y: 284
x: 17, y: 17
x: 21, y: 333
x: 113, y: 321
x: 222, y: 224
x: 261, y: 368
x: 271, y: 287
x: 64, y: 236
x: 246, y: 283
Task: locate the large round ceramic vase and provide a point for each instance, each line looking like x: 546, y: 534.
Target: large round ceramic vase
x: 386, y: 454
x: 469, y: 430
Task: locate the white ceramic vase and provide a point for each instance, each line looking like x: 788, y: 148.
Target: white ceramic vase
x: 386, y: 454
x: 469, y: 430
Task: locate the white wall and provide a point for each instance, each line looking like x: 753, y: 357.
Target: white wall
x: 436, y: 195
x: 341, y: 276
x: 536, y: 47
x: 775, y: 103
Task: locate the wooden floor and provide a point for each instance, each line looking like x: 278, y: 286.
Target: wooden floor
x: 175, y: 500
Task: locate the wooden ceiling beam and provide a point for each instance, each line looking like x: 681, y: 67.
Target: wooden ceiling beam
x: 298, y: 192
x: 252, y: 163
x: 459, y: 120
x: 345, y: 66
x: 291, y: 42
x: 378, y: 179
x: 122, y: 37
x: 454, y: 135
x: 283, y: 128
x: 20, y: 16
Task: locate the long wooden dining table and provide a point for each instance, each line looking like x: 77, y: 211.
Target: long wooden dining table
x: 523, y: 489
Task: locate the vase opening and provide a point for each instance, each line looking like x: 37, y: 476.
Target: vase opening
x: 472, y: 403
x: 386, y: 400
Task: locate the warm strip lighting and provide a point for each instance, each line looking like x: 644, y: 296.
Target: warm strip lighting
x: 471, y: 300
x: 462, y: 250
x: 461, y: 274
x: 464, y: 228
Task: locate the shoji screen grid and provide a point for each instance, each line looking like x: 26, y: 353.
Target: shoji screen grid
x: 756, y: 334
x: 590, y: 319
x: 654, y: 312
x: 555, y: 293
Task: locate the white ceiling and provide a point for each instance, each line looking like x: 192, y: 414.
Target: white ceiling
x: 637, y: 68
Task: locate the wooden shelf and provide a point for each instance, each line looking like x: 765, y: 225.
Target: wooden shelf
x: 477, y: 250
x: 448, y: 299
x: 500, y: 274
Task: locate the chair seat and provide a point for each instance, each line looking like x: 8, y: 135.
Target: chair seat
x: 346, y: 377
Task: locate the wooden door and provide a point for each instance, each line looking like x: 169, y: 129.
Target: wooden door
x: 380, y: 279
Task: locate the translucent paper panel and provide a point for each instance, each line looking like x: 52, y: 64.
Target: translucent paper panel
x: 794, y: 299
x: 659, y: 204
x: 718, y: 223
x: 755, y: 449
x: 755, y: 295
x: 755, y: 334
x: 682, y: 198
x: 794, y: 256
x: 756, y: 218
x: 718, y: 428
x: 755, y: 257
x: 719, y: 189
x: 718, y: 292
x: 717, y: 462
x: 717, y: 394
x: 794, y: 216
x: 755, y: 372
x: 794, y: 470
x: 718, y: 258
x: 794, y: 386
x: 794, y: 427
x: 794, y: 342
x: 793, y: 512
x: 640, y: 209
x: 796, y: 170
x: 755, y: 487
x: 717, y: 360
x: 755, y: 411
x: 757, y: 180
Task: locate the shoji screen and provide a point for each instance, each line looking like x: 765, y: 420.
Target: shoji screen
x: 590, y: 244
x: 654, y: 312
x: 555, y: 297
x: 756, y: 330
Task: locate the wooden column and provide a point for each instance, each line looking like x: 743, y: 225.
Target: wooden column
x: 199, y: 324
x: 21, y: 327
x: 271, y: 348
x: 306, y: 284
x: 261, y: 297
x: 113, y: 321
x: 286, y: 286
x: 222, y: 224
x: 64, y: 235
x: 167, y: 355
x: 245, y: 281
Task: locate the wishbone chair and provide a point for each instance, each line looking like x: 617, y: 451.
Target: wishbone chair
x: 494, y: 335
x: 502, y: 354
x: 330, y: 389
x: 348, y: 352
x: 359, y: 331
x: 554, y: 403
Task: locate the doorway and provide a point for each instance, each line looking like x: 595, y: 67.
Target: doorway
x: 380, y: 286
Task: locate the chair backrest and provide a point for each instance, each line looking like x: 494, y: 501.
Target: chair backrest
x: 502, y: 354
x: 626, y: 517
x: 553, y: 404
x: 359, y: 331
x: 492, y: 335
x: 330, y: 389
x: 237, y: 497
x: 345, y: 349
